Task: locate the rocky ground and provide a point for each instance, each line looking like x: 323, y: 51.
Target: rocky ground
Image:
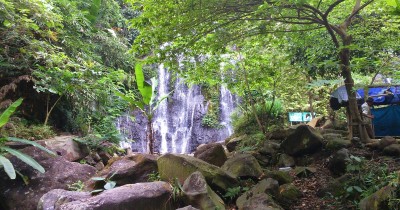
x: 310, y: 186
x: 299, y: 168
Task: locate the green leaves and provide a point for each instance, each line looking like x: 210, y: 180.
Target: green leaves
x: 144, y: 88
x: 25, y: 158
x: 5, y: 116
x: 8, y: 167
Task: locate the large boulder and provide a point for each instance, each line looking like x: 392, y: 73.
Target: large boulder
x: 378, y: 200
x: 199, y: 194
x: 267, y: 186
x: 392, y: 150
x: 55, y: 198
x: 243, y: 166
x: 149, y: 196
x: 337, y: 164
x: 386, y: 141
x: 59, y: 174
x: 232, y: 143
x: 171, y: 166
x: 130, y: 169
x: 213, y: 153
x: 260, y: 201
x: 304, y: 140
x: 68, y: 148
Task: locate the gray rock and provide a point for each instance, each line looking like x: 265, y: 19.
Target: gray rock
x: 131, y: 169
x: 260, y: 201
x: 149, y: 196
x: 286, y: 161
x: 392, y: 150
x: 243, y: 165
x: 231, y: 144
x: 338, y: 163
x: 176, y: 166
x: 199, y: 194
x: 304, y: 140
x: 55, y: 198
x: 378, y: 200
x: 188, y: 208
x: 386, y: 141
x: 213, y: 153
x: 59, y: 174
x: 68, y: 148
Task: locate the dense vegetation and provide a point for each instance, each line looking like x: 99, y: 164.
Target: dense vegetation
x: 79, y: 64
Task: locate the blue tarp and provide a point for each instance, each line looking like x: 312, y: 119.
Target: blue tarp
x: 384, y: 95
x: 387, y: 121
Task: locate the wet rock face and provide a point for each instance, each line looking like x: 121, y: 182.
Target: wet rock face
x: 59, y: 174
x: 177, y: 122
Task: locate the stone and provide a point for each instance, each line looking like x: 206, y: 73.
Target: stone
x: 213, y: 153
x: 68, y: 148
x: 283, y: 177
x: 289, y: 193
x: 304, y: 172
x: 336, y: 144
x: 378, y: 200
x: 171, y: 166
x: 259, y: 201
x: 188, y: 208
x: 149, y: 196
x: 282, y: 134
x: 231, y: 144
x: 338, y: 162
x: 130, y: 169
x: 392, y: 150
x: 199, y: 194
x: 243, y: 166
x: 386, y: 141
x: 269, y: 148
x: 55, y: 198
x: 59, y: 174
x: 286, y: 161
x: 305, y: 140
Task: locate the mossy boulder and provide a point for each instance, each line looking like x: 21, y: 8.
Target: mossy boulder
x: 283, y: 177
x: 336, y: 144
x: 289, y: 193
x: 378, y: 200
x: 305, y: 140
x: 243, y: 166
x: 178, y: 166
x: 261, y: 201
x: 232, y: 143
x: 199, y: 194
x: 392, y: 150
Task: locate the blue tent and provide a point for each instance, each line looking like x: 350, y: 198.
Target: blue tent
x: 387, y: 119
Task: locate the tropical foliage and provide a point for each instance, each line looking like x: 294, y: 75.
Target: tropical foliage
x: 5, y: 163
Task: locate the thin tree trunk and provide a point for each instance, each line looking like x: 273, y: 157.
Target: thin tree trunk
x: 354, y: 117
x: 150, y: 136
x: 48, y: 112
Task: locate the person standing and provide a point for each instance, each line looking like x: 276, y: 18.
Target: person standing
x: 367, y: 116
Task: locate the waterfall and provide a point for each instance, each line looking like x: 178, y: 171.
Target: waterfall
x: 177, y: 120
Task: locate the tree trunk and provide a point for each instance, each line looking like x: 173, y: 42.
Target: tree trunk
x: 150, y: 136
x: 353, y: 115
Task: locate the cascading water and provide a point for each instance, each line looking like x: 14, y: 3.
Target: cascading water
x: 177, y: 121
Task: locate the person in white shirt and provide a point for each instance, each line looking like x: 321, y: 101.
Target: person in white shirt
x: 367, y: 116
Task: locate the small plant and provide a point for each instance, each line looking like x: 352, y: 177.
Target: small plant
x: 4, y: 150
x: 76, y: 186
x: 153, y: 177
x: 234, y: 192
x: 176, y: 189
x: 109, y: 184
